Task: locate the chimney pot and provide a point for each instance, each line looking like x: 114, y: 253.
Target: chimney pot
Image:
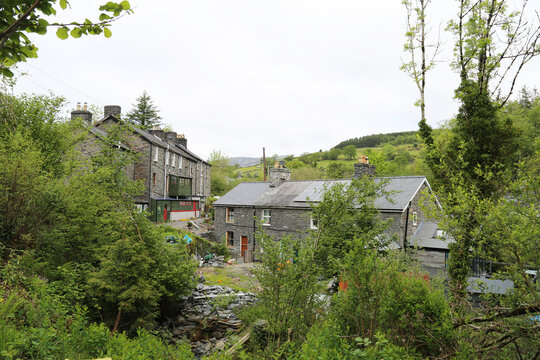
x: 78, y: 106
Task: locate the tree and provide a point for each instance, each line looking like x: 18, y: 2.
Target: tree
x: 475, y: 158
x: 144, y: 113
x: 350, y: 152
x: 18, y: 18
x: 417, y: 48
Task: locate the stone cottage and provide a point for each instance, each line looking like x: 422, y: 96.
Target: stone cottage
x: 282, y: 207
x: 176, y: 181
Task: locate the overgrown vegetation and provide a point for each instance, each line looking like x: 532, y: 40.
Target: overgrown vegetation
x: 70, y: 221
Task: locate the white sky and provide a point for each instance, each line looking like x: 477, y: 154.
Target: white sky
x: 293, y: 76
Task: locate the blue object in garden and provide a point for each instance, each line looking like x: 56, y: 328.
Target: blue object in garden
x: 188, y: 239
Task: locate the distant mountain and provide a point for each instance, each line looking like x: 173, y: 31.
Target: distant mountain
x: 244, y: 161
x: 248, y: 161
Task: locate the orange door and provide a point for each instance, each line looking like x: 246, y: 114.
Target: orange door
x: 244, y: 245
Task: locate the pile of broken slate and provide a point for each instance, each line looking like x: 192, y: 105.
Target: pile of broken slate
x: 207, y: 318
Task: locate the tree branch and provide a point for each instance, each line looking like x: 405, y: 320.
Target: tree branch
x: 516, y: 312
x: 10, y: 30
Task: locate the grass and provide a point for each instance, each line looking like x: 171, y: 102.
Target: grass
x: 229, y: 276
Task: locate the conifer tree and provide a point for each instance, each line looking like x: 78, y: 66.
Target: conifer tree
x: 144, y: 113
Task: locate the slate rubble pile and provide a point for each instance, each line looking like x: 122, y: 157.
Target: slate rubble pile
x: 206, y: 317
x: 212, y: 260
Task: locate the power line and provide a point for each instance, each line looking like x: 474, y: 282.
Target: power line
x: 65, y: 84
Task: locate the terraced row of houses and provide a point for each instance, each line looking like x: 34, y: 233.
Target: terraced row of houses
x: 176, y: 181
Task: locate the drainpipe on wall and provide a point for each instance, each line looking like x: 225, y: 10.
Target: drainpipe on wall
x: 254, y: 230
x: 406, y: 227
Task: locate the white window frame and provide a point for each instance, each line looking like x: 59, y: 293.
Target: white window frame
x: 266, y: 217
x: 156, y: 154
x: 173, y: 155
x: 167, y: 156
x: 179, y: 162
x: 415, y: 218
x: 313, y: 223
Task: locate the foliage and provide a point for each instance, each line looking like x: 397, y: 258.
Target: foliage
x: 337, y: 171
x: 289, y: 287
x: 397, y: 138
x: 144, y: 113
x: 350, y: 152
x: 73, y: 220
x: 306, y: 173
x: 345, y: 213
x: 37, y: 323
x: 20, y: 18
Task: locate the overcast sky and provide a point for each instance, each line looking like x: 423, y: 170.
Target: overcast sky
x: 293, y: 76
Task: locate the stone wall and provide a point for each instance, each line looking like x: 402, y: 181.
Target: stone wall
x: 434, y: 261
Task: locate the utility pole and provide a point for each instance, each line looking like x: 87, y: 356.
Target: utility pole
x: 264, y: 165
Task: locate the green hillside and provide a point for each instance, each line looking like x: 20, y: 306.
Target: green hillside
x: 393, y: 154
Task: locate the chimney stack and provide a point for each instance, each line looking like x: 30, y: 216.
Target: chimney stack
x: 83, y: 114
x: 170, y: 137
x: 181, y: 140
x: 158, y: 132
x: 363, y: 167
x: 279, y: 174
x: 114, y: 110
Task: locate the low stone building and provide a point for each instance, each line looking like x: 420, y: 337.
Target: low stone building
x: 176, y: 181
x: 283, y: 208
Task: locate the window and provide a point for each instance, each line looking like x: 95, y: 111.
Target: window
x: 230, y: 239
x: 230, y: 215
x: 173, y: 160
x: 414, y: 218
x: 180, y: 162
x: 154, y: 179
x: 314, y: 223
x: 167, y: 158
x: 191, y: 170
x: 156, y: 154
x: 266, y: 215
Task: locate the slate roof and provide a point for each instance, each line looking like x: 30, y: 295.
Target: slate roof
x: 426, y: 237
x: 299, y: 193
x: 155, y: 140
x: 244, y: 194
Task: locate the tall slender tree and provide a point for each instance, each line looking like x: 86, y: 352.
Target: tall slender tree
x: 144, y: 113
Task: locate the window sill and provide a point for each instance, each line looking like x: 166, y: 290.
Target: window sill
x: 266, y: 224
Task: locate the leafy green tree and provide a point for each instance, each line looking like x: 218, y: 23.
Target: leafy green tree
x: 289, y: 288
x: 144, y: 113
x: 19, y: 18
x: 350, y: 152
x: 346, y: 212
x: 475, y: 158
x: 338, y: 170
